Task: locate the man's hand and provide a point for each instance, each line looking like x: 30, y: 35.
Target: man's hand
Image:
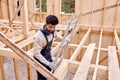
x: 52, y: 65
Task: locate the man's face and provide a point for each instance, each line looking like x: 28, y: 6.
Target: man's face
x: 50, y: 27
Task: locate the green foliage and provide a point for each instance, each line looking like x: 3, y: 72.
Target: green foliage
x: 37, y: 4
x: 44, y: 7
x: 68, y: 6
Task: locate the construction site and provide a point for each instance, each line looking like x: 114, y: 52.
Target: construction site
x: 93, y: 28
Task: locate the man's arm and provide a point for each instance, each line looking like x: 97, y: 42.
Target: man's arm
x: 58, y: 36
x: 38, y: 43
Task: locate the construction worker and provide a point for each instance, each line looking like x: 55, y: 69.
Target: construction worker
x: 42, y: 44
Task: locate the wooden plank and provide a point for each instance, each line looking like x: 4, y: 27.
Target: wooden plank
x: 73, y: 57
x: 25, y: 19
x: 29, y: 73
x: 10, y: 8
x: 117, y: 40
x: 77, y: 6
x: 57, y: 7
x: 25, y: 42
x: 113, y: 66
x: 50, y: 7
x: 98, y: 55
x: 2, y: 73
x: 17, y: 38
x: 1, y: 44
x: 84, y: 66
x: 13, y: 17
x: 16, y: 69
x: 4, y: 9
x: 9, y: 53
x: 27, y: 58
x: 0, y: 10
x: 62, y: 70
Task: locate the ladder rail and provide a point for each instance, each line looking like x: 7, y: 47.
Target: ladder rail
x: 66, y: 46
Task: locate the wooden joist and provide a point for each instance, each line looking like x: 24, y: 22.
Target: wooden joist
x: 27, y: 58
x: 113, y: 66
x: 75, y: 54
x: 84, y: 65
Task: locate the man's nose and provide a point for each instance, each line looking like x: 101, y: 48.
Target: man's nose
x: 52, y: 29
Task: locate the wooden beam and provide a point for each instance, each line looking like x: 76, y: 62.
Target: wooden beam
x: 117, y: 40
x: 113, y: 66
x: 57, y: 7
x: 27, y: 58
x: 16, y: 69
x: 2, y: 73
x: 62, y: 70
x: 75, y: 54
x: 29, y: 72
x: 77, y: 6
x: 100, y: 9
x: 21, y: 4
x: 50, y: 7
x: 98, y: 55
x: 84, y: 65
x: 25, y: 20
x: 25, y: 42
x: 9, y: 53
x: 8, y: 27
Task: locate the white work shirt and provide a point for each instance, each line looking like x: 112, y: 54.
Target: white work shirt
x: 40, y: 42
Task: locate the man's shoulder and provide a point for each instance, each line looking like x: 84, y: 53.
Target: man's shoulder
x: 39, y: 34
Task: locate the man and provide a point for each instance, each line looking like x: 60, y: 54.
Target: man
x: 42, y: 44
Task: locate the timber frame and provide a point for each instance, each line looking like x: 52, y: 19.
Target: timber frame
x: 93, y: 52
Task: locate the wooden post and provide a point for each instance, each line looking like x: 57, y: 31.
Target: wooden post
x: 40, y: 11
x: 77, y: 6
x: 4, y: 9
x: 57, y: 8
x: 2, y: 73
x: 25, y: 19
x: 0, y: 10
x: 50, y: 5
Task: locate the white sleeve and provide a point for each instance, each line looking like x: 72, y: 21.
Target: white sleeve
x: 58, y: 35
x: 38, y: 43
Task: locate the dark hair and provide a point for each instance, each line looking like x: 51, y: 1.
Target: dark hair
x: 51, y: 19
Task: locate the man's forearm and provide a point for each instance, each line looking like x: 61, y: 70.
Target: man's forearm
x: 41, y: 59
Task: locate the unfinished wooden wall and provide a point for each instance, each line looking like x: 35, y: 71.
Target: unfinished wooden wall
x: 95, y: 12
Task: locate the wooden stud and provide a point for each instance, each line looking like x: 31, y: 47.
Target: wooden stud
x: 117, y: 40
x: 50, y: 9
x: 16, y: 12
x: 2, y: 73
x: 16, y: 69
x: 25, y: 20
x: 29, y: 75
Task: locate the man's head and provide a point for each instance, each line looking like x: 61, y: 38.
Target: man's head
x: 51, y: 22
